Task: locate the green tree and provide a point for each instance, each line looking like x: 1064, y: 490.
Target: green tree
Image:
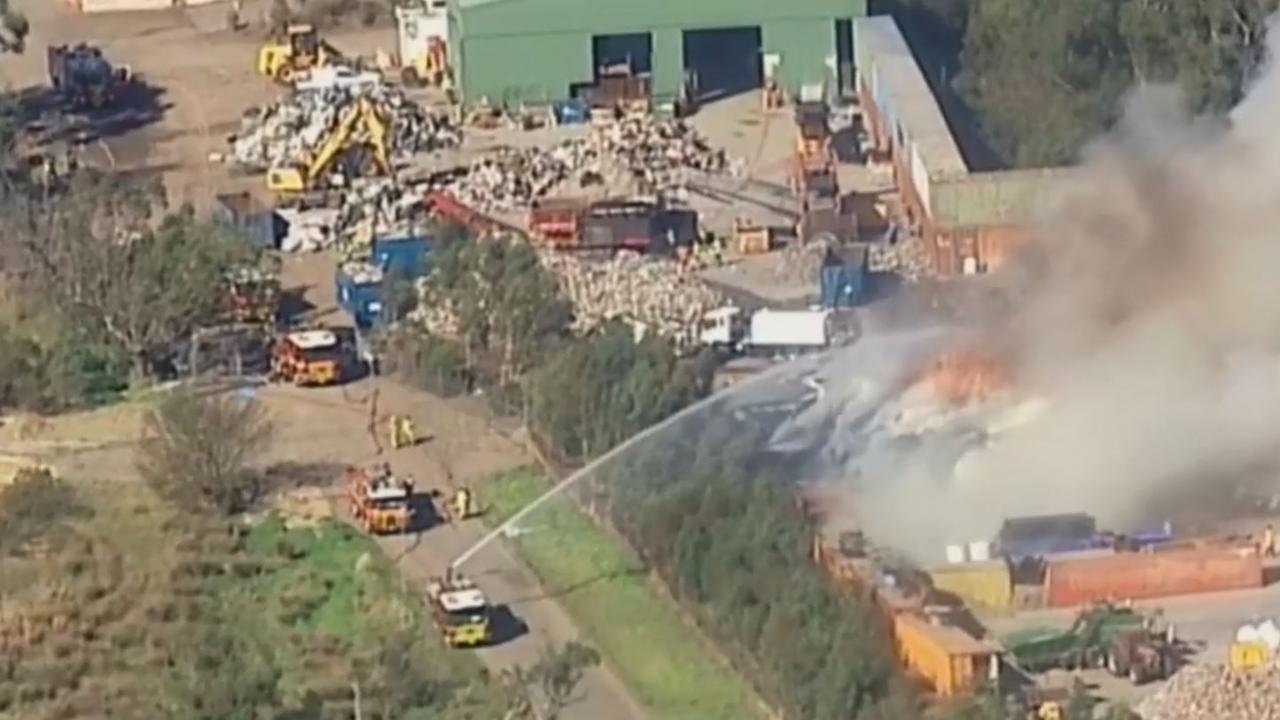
x: 102, y: 260
x: 1073, y: 62
x: 509, y: 309
x: 198, y: 451
x: 598, y: 392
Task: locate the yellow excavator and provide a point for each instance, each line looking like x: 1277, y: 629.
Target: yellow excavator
x: 362, y: 128
x: 299, y: 51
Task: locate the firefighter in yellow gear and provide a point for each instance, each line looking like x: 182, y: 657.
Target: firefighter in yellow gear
x: 403, y: 433
x: 463, y: 504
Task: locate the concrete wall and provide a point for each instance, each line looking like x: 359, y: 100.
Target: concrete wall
x: 533, y: 50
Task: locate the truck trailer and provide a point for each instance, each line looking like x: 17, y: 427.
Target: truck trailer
x: 767, y: 331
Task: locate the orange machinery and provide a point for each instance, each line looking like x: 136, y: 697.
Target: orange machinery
x: 557, y: 221
x: 309, y: 357
x: 380, y: 501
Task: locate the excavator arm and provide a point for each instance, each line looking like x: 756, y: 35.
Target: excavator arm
x: 361, y: 124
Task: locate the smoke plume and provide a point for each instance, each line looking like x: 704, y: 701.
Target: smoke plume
x: 1145, y: 315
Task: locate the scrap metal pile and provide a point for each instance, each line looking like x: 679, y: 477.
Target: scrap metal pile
x: 1201, y: 692
x: 649, y: 291
x: 282, y: 133
x: 634, y: 155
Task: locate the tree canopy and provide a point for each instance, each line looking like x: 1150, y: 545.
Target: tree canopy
x: 598, y: 392
x: 1044, y: 77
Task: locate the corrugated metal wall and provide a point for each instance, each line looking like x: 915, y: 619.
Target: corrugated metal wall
x: 514, y: 68
x: 535, y: 49
x: 1070, y: 583
x: 806, y: 46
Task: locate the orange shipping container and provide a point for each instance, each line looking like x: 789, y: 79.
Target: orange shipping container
x: 948, y: 658
x: 1151, y: 575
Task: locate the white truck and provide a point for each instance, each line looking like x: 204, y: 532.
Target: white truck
x: 767, y: 331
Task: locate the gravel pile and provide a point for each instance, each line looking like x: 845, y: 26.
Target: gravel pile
x: 1216, y: 692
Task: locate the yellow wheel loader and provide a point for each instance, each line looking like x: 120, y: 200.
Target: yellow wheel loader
x: 299, y: 51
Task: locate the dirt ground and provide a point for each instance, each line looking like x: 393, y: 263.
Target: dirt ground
x: 196, y: 80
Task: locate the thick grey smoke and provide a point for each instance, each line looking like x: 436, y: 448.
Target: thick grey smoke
x: 1146, y: 319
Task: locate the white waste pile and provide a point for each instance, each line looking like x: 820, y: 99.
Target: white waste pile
x: 1216, y: 692
x: 368, y: 207
x: 650, y: 291
x: 652, y: 156
x: 282, y: 133
x: 308, y: 230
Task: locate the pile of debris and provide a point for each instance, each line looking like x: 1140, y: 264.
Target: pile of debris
x: 801, y: 263
x: 907, y: 258
x: 649, y: 291
x: 634, y: 155
x: 367, y: 207
x: 1198, y: 692
x: 283, y: 133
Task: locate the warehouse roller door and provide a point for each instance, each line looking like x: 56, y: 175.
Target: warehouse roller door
x: 722, y: 62
x: 631, y: 50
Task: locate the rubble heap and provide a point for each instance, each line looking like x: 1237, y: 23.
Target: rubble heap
x: 284, y: 132
x: 907, y: 258
x: 1199, y: 692
x: 801, y: 263
x: 650, y: 155
x: 368, y: 206
x: 649, y: 291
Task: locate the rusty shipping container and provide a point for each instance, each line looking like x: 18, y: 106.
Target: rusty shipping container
x: 947, y: 658
x: 1078, y: 581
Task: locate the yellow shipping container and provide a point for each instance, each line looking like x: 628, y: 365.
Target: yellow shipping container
x: 948, y: 658
x: 987, y: 584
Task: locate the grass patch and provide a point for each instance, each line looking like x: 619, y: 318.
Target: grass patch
x: 124, y: 599
x: 670, y: 672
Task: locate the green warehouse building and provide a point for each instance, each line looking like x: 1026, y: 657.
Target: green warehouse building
x: 509, y: 51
